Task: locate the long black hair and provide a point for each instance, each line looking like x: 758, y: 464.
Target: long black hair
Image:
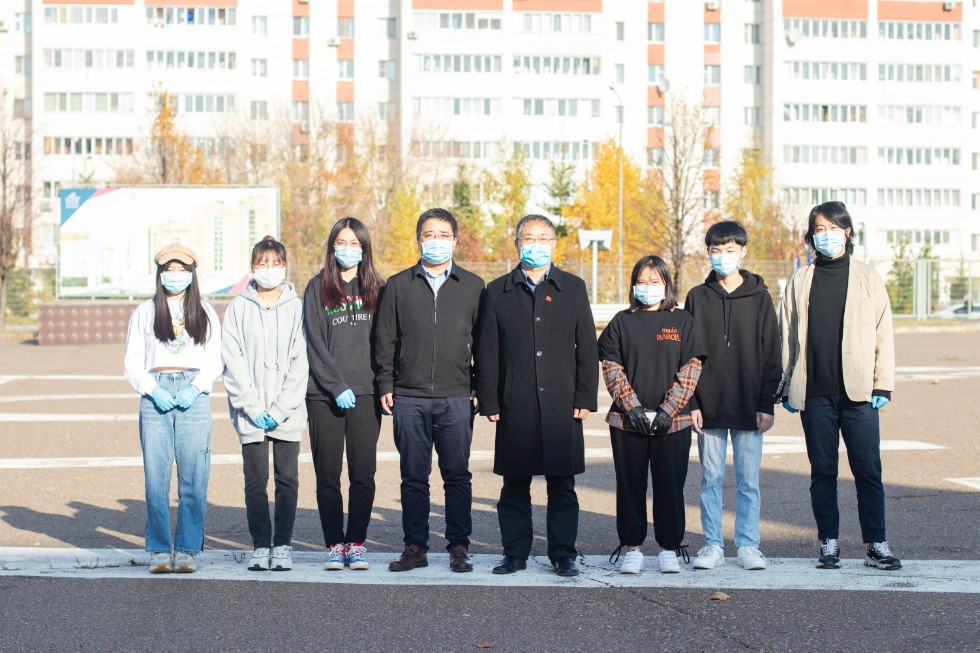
x: 660, y: 266
x: 332, y: 285
x: 195, y: 318
x: 836, y: 213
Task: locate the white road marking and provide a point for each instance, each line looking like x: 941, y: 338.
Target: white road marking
x: 971, y: 482
x: 61, y: 377
x: 12, y: 399
x: 132, y: 416
x: 946, y: 576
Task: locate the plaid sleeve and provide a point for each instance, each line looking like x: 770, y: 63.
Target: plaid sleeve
x: 681, y: 391
x: 619, y: 386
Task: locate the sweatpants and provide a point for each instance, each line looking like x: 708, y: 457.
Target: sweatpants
x: 665, y: 458
x: 514, y: 516
x: 255, y: 459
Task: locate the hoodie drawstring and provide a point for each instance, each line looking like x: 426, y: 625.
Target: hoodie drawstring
x: 726, y: 303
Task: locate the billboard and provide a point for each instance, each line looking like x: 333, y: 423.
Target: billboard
x: 108, y: 236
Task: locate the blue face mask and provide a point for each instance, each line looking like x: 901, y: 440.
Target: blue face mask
x: 348, y: 257
x: 176, y: 282
x: 829, y: 243
x: 649, y: 295
x: 724, y: 264
x: 437, y: 251
x: 536, y: 255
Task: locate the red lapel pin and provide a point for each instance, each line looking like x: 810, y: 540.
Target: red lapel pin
x: 547, y: 298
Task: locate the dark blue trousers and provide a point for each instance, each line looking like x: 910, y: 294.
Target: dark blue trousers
x: 420, y: 424
x: 825, y: 419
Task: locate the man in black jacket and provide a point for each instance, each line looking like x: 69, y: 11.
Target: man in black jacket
x: 424, y: 333
x: 739, y: 384
x: 537, y: 379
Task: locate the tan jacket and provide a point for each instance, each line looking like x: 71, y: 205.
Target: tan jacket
x: 868, y: 347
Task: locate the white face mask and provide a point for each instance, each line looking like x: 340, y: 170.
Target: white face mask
x: 270, y: 278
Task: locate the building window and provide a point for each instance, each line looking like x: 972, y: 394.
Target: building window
x: 387, y: 110
x: 655, y: 32
x: 260, y: 67
x: 655, y: 72
x: 620, y: 73
x: 655, y: 115
x: 543, y: 65
x: 301, y: 111
x: 712, y: 200
x: 555, y: 22
x: 345, y: 28
x: 752, y: 117
x: 345, y: 69
x: 260, y: 25
x: 301, y: 68
x: 919, y: 197
x: 752, y: 74
x: 712, y: 32
x: 345, y: 111
x: 258, y: 110
x: 753, y: 33
x: 926, y: 73
x: 809, y: 197
x: 824, y: 113
x: 918, y: 31
x: 391, y: 27
x: 712, y: 116
x: 919, y: 156
x: 301, y: 25
x: 620, y: 31
x: 827, y: 70
x: 655, y: 156
x: 712, y: 75
x: 22, y: 108
x: 712, y: 157
x: 818, y: 28
x: 832, y: 154
x: 388, y: 69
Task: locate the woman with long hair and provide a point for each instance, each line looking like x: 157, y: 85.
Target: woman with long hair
x: 651, y: 358
x: 173, y: 357
x: 264, y: 351
x: 341, y: 397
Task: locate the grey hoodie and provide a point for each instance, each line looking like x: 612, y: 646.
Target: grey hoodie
x: 266, y: 368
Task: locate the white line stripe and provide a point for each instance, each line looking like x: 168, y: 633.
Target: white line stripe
x: 971, y: 482
x: 61, y: 377
x: 948, y: 576
x: 84, y: 417
x: 12, y: 399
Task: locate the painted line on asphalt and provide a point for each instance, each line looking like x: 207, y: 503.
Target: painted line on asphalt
x: 971, y: 482
x: 12, y: 399
x: 132, y: 416
x: 945, y: 576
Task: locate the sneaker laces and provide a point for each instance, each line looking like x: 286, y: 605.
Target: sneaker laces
x: 681, y: 551
x: 882, y: 549
x: 829, y: 547
x: 337, y: 549
x: 356, y: 549
x: 614, y: 556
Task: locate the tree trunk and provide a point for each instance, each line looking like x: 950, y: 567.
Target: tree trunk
x: 3, y: 303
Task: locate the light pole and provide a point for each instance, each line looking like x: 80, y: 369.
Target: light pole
x: 619, y: 232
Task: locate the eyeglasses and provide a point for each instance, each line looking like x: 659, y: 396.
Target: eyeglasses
x: 436, y: 235
x: 536, y: 240
x: 267, y: 265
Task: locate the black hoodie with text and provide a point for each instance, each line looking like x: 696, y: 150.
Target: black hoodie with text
x: 743, y: 370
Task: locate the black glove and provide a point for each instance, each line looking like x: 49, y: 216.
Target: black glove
x: 661, y: 423
x: 639, y: 420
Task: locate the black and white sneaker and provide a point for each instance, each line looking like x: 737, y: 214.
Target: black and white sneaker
x: 829, y: 554
x: 880, y: 556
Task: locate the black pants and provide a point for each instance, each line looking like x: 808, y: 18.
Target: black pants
x: 420, y: 424
x: 330, y: 429
x: 255, y: 458
x: 514, y: 515
x: 824, y: 420
x: 665, y: 458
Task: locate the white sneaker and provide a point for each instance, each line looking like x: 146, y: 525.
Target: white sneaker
x: 709, y: 557
x: 355, y: 556
x: 260, y: 559
x: 185, y: 563
x: 161, y: 563
x: 336, y: 558
x: 282, y: 558
x: 632, y: 563
x: 750, y: 557
x: 668, y: 562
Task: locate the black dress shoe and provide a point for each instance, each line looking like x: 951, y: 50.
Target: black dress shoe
x: 565, y: 567
x: 509, y: 564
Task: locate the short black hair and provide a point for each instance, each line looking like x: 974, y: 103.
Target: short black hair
x: 837, y: 214
x: 724, y: 232
x: 436, y: 214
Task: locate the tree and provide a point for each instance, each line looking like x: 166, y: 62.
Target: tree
x: 470, y: 245
x: 396, y: 247
x: 507, y: 189
x: 901, y: 279
x: 14, y: 197
x: 560, y: 188
x: 959, y: 285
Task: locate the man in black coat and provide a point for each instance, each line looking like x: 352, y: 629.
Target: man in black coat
x: 537, y: 379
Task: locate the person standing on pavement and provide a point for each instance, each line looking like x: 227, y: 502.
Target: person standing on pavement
x: 839, y: 369
x: 344, y: 408
x: 173, y: 358
x: 264, y: 352
x: 735, y: 316
x: 652, y: 358
x: 537, y: 381
x: 423, y: 346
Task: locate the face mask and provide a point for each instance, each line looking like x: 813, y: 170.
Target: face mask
x: 437, y: 251
x: 724, y: 264
x: 348, y: 257
x: 829, y: 243
x: 176, y: 282
x: 536, y: 255
x: 270, y: 278
x: 649, y: 295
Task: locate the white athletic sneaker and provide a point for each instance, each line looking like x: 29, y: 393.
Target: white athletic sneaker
x: 355, y: 556
x: 260, y: 559
x: 282, y: 558
x: 750, y: 558
x: 632, y: 563
x: 336, y: 558
x: 161, y: 563
x: 185, y: 563
x: 709, y: 557
x: 668, y: 562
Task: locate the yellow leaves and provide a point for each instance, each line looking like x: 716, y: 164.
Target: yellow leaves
x: 175, y: 160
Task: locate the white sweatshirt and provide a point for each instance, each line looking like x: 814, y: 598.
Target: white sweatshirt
x: 145, y: 352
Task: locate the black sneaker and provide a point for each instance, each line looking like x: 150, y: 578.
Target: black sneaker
x: 880, y: 556
x: 829, y: 554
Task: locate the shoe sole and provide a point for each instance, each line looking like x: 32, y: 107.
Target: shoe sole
x: 462, y: 570
x: 419, y: 565
x: 281, y: 568
x: 333, y: 566
x: 704, y: 566
x: 755, y: 567
x: 184, y: 570
x: 162, y: 569
x: 821, y: 565
x: 567, y: 574
x: 874, y: 563
x: 257, y: 568
x: 670, y: 571
x: 359, y: 566
x: 631, y: 572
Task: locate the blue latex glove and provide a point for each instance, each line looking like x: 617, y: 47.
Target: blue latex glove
x: 879, y: 402
x: 265, y: 422
x: 164, y: 400
x: 185, y: 398
x: 346, y: 399
x: 789, y: 408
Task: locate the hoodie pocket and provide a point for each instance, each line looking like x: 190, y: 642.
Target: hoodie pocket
x: 729, y: 394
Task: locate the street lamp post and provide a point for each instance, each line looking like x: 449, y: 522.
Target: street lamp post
x: 619, y: 232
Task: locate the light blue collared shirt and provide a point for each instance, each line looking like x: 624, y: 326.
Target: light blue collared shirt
x: 533, y: 287
x: 436, y: 281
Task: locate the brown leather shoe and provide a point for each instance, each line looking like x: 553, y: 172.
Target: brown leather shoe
x: 413, y: 556
x: 459, y: 558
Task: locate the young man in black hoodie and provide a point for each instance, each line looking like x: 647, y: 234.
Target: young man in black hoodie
x: 737, y: 320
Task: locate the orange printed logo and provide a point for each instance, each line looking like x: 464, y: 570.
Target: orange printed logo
x: 669, y: 334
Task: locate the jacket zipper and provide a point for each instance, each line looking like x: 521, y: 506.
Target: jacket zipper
x: 435, y: 322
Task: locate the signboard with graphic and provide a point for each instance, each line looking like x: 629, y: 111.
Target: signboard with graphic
x: 108, y: 236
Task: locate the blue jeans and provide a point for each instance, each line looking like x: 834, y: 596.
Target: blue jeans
x: 747, y: 450
x: 184, y: 436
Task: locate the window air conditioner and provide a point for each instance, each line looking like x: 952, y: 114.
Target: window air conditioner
x: 712, y: 5
x: 949, y: 6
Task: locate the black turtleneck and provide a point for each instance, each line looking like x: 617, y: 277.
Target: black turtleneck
x: 828, y: 293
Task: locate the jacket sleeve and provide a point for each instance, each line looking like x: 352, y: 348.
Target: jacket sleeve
x: 134, y: 362
x: 385, y: 339
x: 586, y: 356
x: 242, y: 393
x: 682, y: 389
x: 487, y: 356
x: 292, y: 395
x: 474, y: 339
x: 787, y: 329
x: 772, y: 370
x: 884, y: 374
x: 320, y: 361
x: 619, y: 387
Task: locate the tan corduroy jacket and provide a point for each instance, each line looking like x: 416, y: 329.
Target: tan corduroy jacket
x: 868, y: 347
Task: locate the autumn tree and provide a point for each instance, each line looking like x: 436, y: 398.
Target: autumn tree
x: 14, y: 193
x: 395, y: 247
x: 507, y: 187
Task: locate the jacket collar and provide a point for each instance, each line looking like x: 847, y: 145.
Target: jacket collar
x: 516, y: 277
x: 419, y: 273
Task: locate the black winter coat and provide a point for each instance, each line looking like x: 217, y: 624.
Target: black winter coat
x: 537, y: 360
